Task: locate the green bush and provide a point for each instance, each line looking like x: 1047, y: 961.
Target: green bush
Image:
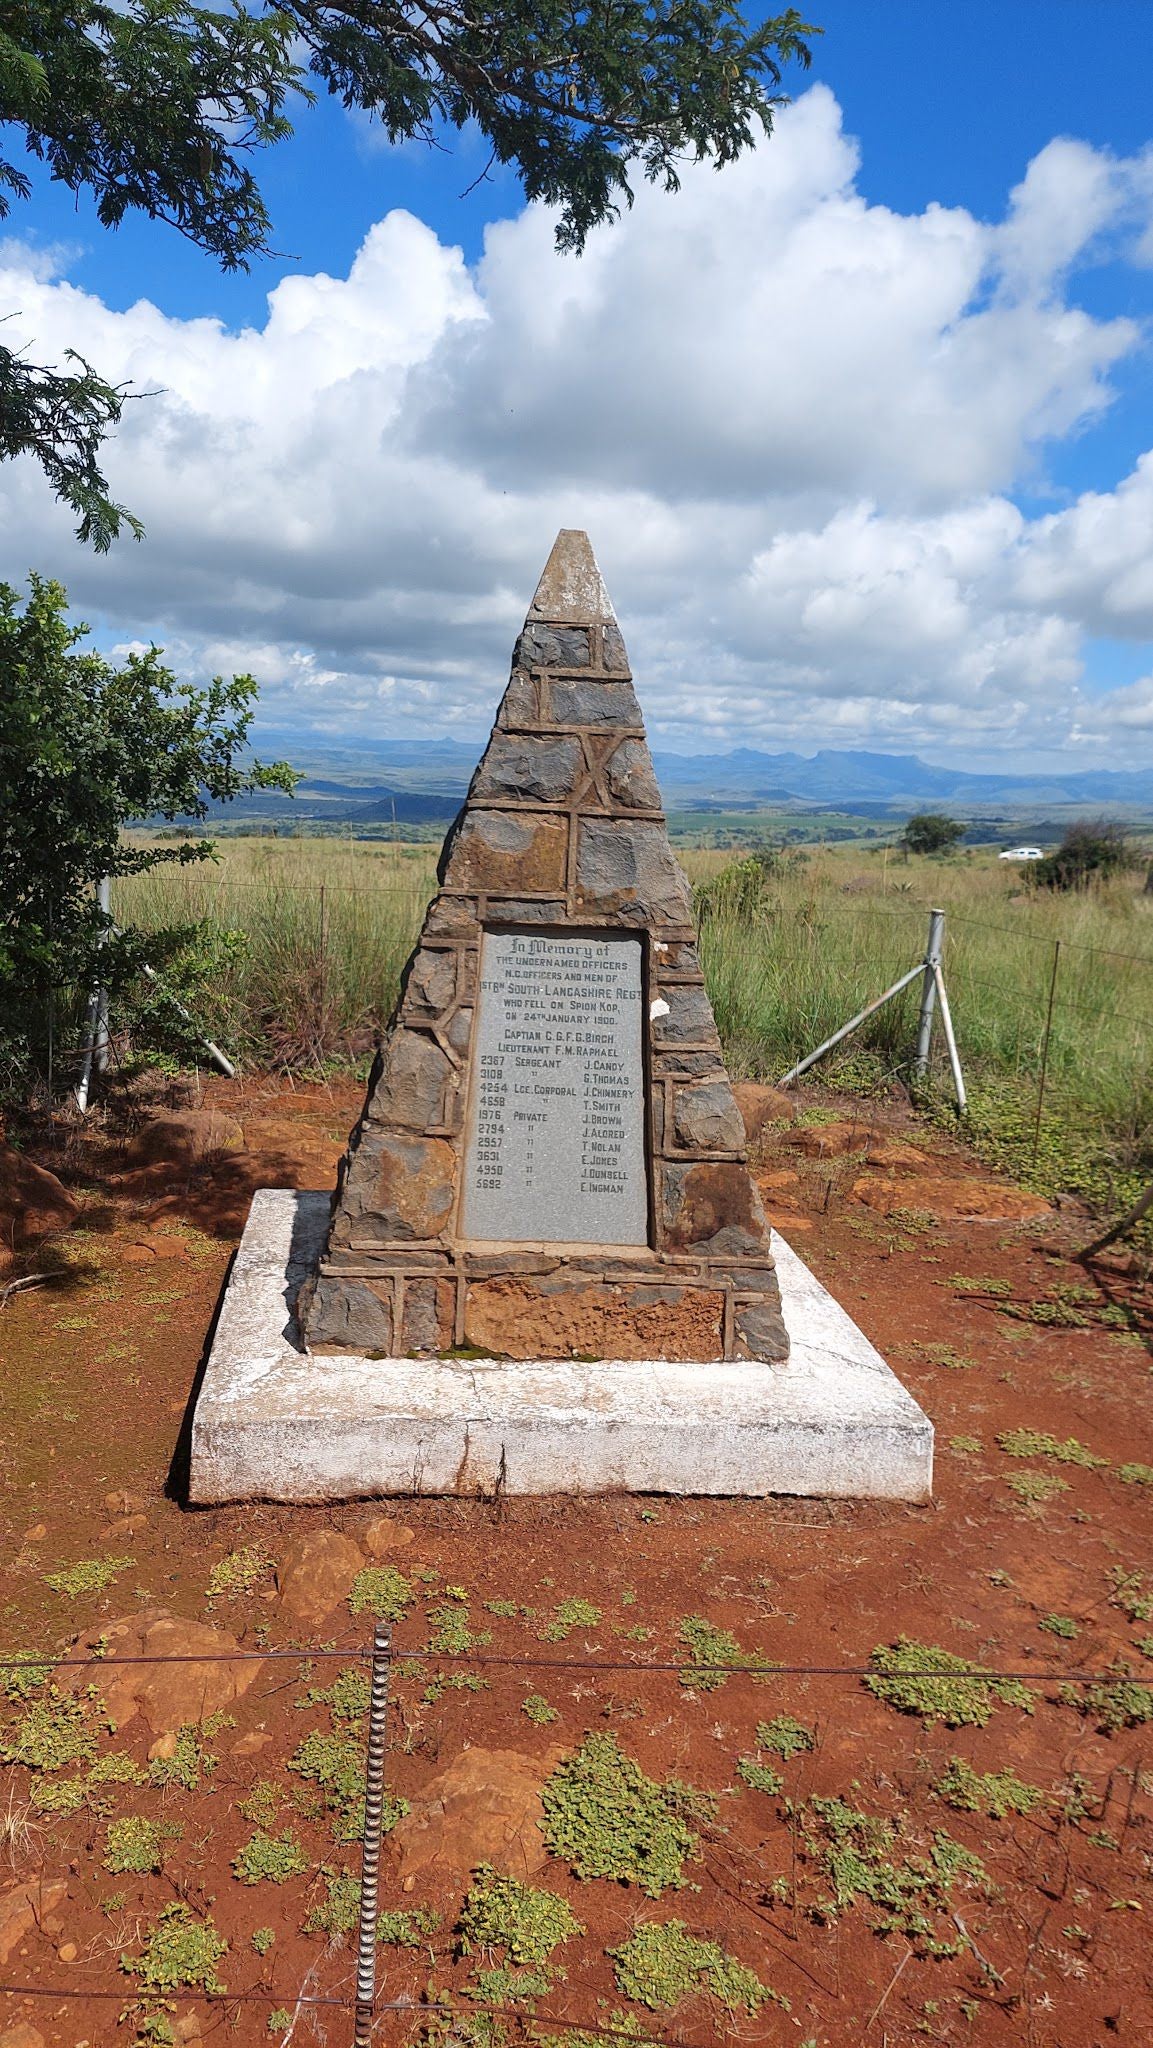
x: 1089, y: 852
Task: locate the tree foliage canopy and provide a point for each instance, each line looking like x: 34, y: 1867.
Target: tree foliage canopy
x: 161, y: 105
x: 931, y: 832
x: 88, y: 749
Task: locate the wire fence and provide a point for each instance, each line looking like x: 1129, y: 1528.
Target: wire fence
x: 365, y: 2005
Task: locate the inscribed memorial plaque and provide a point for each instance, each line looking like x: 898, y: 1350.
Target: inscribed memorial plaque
x: 556, y: 1149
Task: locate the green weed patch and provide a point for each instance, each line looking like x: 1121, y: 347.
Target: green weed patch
x: 270, y: 1859
x: 1038, y: 1443
x: 947, y: 1693
x: 607, y: 1818
x: 661, y: 1964
x: 996, y: 1793
x: 93, y: 1575
x: 569, y: 1615
x: 527, y: 1923
x: 861, y: 1856
x: 381, y: 1590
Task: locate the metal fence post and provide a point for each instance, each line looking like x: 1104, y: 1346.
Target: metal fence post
x: 929, y: 992
x: 370, y: 1859
x: 96, y: 1046
x: 1045, y: 1050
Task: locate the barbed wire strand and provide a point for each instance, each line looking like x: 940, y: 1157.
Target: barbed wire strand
x: 501, y: 1660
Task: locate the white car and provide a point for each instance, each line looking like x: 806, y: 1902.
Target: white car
x: 1022, y: 853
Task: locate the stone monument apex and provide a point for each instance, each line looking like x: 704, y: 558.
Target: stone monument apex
x: 550, y: 1163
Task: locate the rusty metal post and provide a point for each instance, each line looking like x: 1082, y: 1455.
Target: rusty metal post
x: 370, y: 1858
x: 1045, y: 1050
x: 929, y: 992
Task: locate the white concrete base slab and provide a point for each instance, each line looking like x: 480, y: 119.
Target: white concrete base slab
x: 274, y: 1423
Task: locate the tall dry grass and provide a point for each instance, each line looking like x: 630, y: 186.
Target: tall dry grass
x: 328, y: 924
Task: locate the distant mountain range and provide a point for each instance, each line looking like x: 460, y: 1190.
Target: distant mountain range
x: 424, y: 781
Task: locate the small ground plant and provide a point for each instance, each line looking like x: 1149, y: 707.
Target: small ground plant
x: 785, y: 1737
x: 238, y: 1573
x: 180, y: 1953
x: 1038, y: 1443
x: 527, y: 1923
x: 401, y: 1928
x: 569, y: 1615
x: 607, y: 1818
x: 1122, y: 1702
x: 537, y: 1708
x: 93, y: 1575
x: 996, y: 1793
x: 381, y: 1590
x: 860, y: 1856
x: 270, y: 1859
x: 921, y: 1678
x: 710, y: 1649
x: 137, y: 1845
x: 662, y: 1964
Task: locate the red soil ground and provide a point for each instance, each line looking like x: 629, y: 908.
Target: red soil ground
x: 990, y: 1325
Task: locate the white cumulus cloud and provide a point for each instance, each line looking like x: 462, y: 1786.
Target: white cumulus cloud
x: 791, y: 420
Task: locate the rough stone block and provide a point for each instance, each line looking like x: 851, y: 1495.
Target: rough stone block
x: 432, y: 979
x: 529, y: 770
x: 761, y: 1332
x: 688, y: 1020
x: 629, y: 777
x: 426, y: 1322
x: 707, y: 1117
x: 677, y: 957
x: 501, y: 853
x: 525, y: 910
x: 625, y: 864
x: 409, y: 1091
x: 552, y: 647
x: 613, y: 652
x: 713, y: 1207
x: 459, y: 1032
x: 668, y: 1064
x: 450, y: 917
x: 395, y: 1189
x: 581, y: 703
x: 351, y: 1315
x: 520, y: 704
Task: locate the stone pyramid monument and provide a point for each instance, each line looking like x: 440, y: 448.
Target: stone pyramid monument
x: 546, y: 1268
x: 550, y: 1163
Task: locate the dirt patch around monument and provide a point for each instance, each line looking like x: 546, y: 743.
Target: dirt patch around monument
x: 874, y: 1889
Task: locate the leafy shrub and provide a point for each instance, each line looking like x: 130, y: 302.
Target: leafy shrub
x: 785, y: 1737
x: 135, y: 1844
x: 1091, y: 850
x: 179, y: 1954
x: 995, y: 1793
x: 381, y: 1590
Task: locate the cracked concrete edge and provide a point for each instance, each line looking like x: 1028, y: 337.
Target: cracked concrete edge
x: 274, y: 1422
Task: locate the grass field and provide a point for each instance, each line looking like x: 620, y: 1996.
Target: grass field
x: 304, y: 941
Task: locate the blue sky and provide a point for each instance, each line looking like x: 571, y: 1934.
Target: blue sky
x: 844, y: 591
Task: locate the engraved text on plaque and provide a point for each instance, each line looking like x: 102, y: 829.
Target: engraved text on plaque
x: 556, y: 1151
